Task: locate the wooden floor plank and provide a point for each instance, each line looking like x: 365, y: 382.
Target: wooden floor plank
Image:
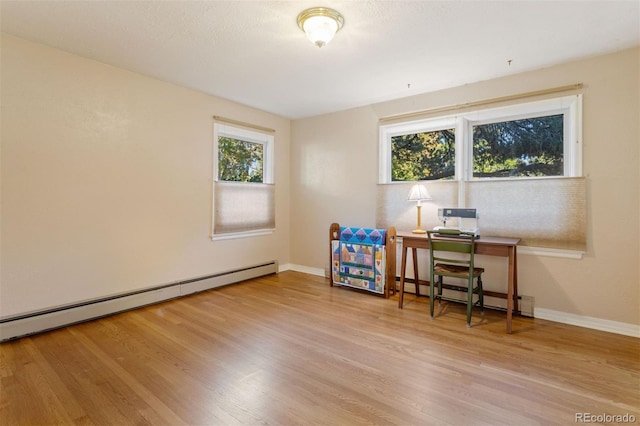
x: 288, y: 349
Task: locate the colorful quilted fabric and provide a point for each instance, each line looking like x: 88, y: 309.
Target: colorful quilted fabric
x: 358, y: 258
x: 362, y: 235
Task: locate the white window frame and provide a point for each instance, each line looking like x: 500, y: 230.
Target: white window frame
x: 223, y: 129
x: 570, y: 106
x: 390, y: 131
x: 242, y: 134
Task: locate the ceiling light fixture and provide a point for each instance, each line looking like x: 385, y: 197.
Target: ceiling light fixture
x: 320, y: 24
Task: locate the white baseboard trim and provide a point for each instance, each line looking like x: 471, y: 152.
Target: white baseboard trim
x: 304, y: 269
x: 284, y: 267
x: 37, y: 322
x: 588, y: 322
x: 546, y: 314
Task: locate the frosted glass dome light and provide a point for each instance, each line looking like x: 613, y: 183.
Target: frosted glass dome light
x: 320, y: 24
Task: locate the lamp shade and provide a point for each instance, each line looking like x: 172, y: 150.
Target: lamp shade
x: 320, y: 24
x: 418, y: 193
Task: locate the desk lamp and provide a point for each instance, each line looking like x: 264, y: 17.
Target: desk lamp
x: 418, y: 193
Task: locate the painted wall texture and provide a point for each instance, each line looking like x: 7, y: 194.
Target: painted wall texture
x: 334, y: 177
x: 107, y: 181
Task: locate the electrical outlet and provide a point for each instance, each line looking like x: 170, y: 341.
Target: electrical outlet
x: 526, y: 306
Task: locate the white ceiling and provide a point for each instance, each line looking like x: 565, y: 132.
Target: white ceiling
x: 254, y: 53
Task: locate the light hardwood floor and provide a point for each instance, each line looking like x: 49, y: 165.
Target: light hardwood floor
x: 288, y: 349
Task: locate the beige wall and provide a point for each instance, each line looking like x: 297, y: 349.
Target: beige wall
x: 334, y: 174
x: 106, y: 181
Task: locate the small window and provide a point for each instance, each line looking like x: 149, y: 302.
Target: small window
x: 418, y: 150
x: 424, y: 156
x: 526, y: 147
x: 242, y: 155
x: 243, y: 190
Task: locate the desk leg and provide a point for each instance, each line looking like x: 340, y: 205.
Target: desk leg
x: 414, y: 252
x: 403, y: 268
x: 515, y: 279
x: 511, y: 289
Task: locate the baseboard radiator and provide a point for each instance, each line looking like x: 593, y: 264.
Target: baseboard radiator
x: 525, y: 303
x: 37, y: 322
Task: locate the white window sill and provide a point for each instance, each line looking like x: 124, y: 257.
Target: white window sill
x: 551, y: 252
x: 236, y: 235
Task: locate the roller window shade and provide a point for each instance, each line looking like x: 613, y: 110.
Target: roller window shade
x: 243, y: 207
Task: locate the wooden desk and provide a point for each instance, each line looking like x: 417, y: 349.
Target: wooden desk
x: 491, y: 246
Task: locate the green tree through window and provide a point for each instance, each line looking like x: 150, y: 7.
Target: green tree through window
x: 530, y: 140
x: 239, y: 161
x: 518, y: 148
x: 423, y: 156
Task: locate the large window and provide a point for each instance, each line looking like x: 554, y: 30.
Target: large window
x: 243, y: 193
x: 519, y: 166
x: 536, y: 139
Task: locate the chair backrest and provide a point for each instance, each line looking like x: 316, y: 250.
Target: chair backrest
x: 452, y: 242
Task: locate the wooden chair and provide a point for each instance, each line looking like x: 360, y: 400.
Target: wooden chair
x: 452, y: 255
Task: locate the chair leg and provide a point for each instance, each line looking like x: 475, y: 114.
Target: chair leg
x: 481, y: 294
x: 431, y: 294
x: 469, y: 301
x: 439, y: 290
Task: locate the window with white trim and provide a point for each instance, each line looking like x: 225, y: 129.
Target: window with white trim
x: 243, y: 189
x: 520, y: 166
x: 535, y: 139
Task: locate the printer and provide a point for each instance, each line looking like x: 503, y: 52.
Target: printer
x: 464, y: 220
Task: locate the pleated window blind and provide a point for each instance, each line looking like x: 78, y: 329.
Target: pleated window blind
x: 243, y: 207
x: 548, y: 213
x: 393, y: 209
x: 542, y: 212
